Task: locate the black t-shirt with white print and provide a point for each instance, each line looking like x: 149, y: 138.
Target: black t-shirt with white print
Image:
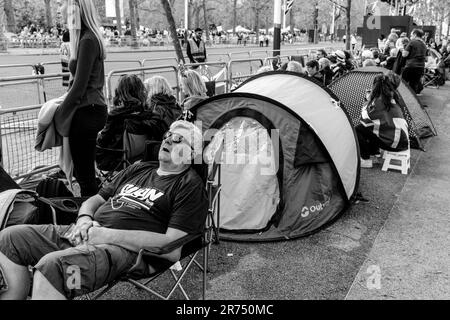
x: 140, y: 199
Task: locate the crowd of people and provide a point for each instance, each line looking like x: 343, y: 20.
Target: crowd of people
x: 382, y: 125
x: 411, y: 57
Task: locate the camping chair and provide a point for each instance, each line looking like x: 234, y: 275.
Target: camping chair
x: 191, y: 245
x: 133, y: 150
x: 434, y: 75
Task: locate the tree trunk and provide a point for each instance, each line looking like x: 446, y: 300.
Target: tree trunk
x: 10, y: 18
x: 132, y: 5
x: 118, y: 17
x: 291, y: 20
x: 234, y: 16
x: 349, y: 24
x: 2, y: 49
x: 48, y: 13
x: 136, y: 12
x: 173, y: 31
x: 257, y: 24
x: 197, y: 16
x: 205, y: 18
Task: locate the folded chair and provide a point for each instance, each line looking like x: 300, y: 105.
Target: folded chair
x: 191, y: 245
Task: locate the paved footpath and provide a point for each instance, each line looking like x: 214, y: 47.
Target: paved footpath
x: 410, y: 258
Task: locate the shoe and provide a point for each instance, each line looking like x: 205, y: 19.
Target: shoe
x: 366, y: 163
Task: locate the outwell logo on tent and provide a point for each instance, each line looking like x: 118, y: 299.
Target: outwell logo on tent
x: 307, y: 211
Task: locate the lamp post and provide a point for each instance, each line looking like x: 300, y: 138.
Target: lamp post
x: 276, y: 27
x: 316, y: 23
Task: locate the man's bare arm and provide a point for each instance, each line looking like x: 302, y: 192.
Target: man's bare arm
x: 136, y: 240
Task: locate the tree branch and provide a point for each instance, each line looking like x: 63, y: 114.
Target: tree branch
x: 340, y: 6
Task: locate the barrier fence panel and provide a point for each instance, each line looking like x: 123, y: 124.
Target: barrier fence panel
x: 240, y: 55
x: 52, y: 67
x: 242, y: 69
x: 261, y: 54
x: 18, y: 128
x: 214, y: 71
x: 121, y: 64
x: 281, y: 59
x: 12, y: 70
x: 160, y: 62
x: 169, y: 72
x: 219, y: 57
x: 30, y: 90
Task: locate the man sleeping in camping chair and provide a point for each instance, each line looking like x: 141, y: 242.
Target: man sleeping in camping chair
x: 145, y: 206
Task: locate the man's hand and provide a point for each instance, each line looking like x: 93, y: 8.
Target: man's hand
x: 80, y: 232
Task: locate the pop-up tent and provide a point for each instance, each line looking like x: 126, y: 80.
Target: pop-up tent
x: 351, y: 91
x: 289, y: 157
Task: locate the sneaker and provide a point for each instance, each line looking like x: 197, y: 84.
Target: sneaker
x: 366, y: 163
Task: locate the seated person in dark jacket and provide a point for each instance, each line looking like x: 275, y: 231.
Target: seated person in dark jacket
x: 325, y: 70
x: 162, y: 111
x: 382, y: 122
x: 129, y: 103
x: 312, y: 67
x: 390, y: 61
x: 145, y: 206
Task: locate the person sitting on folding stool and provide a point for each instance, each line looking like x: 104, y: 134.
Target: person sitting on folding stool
x: 382, y: 123
x: 145, y: 206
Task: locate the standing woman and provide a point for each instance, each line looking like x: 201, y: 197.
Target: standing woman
x: 83, y: 113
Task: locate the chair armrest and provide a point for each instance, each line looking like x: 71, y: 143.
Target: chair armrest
x: 65, y: 204
x: 111, y: 150
x: 155, y: 254
x: 152, y: 251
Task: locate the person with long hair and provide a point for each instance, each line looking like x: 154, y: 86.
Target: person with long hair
x: 129, y: 103
x: 163, y: 107
x: 83, y: 112
x: 382, y: 123
x: 161, y: 110
x: 194, y: 88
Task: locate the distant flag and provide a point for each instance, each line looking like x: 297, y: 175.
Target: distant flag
x: 412, y: 10
x: 371, y: 8
x: 289, y: 4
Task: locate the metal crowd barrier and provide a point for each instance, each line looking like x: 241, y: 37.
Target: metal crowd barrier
x: 222, y: 57
x: 159, y: 61
x: 18, y: 128
x: 31, y: 90
x: 236, y: 79
x: 222, y: 67
x: 4, y: 68
x: 143, y: 72
x: 269, y: 60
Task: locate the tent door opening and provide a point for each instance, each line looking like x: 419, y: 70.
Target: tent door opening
x: 250, y: 192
